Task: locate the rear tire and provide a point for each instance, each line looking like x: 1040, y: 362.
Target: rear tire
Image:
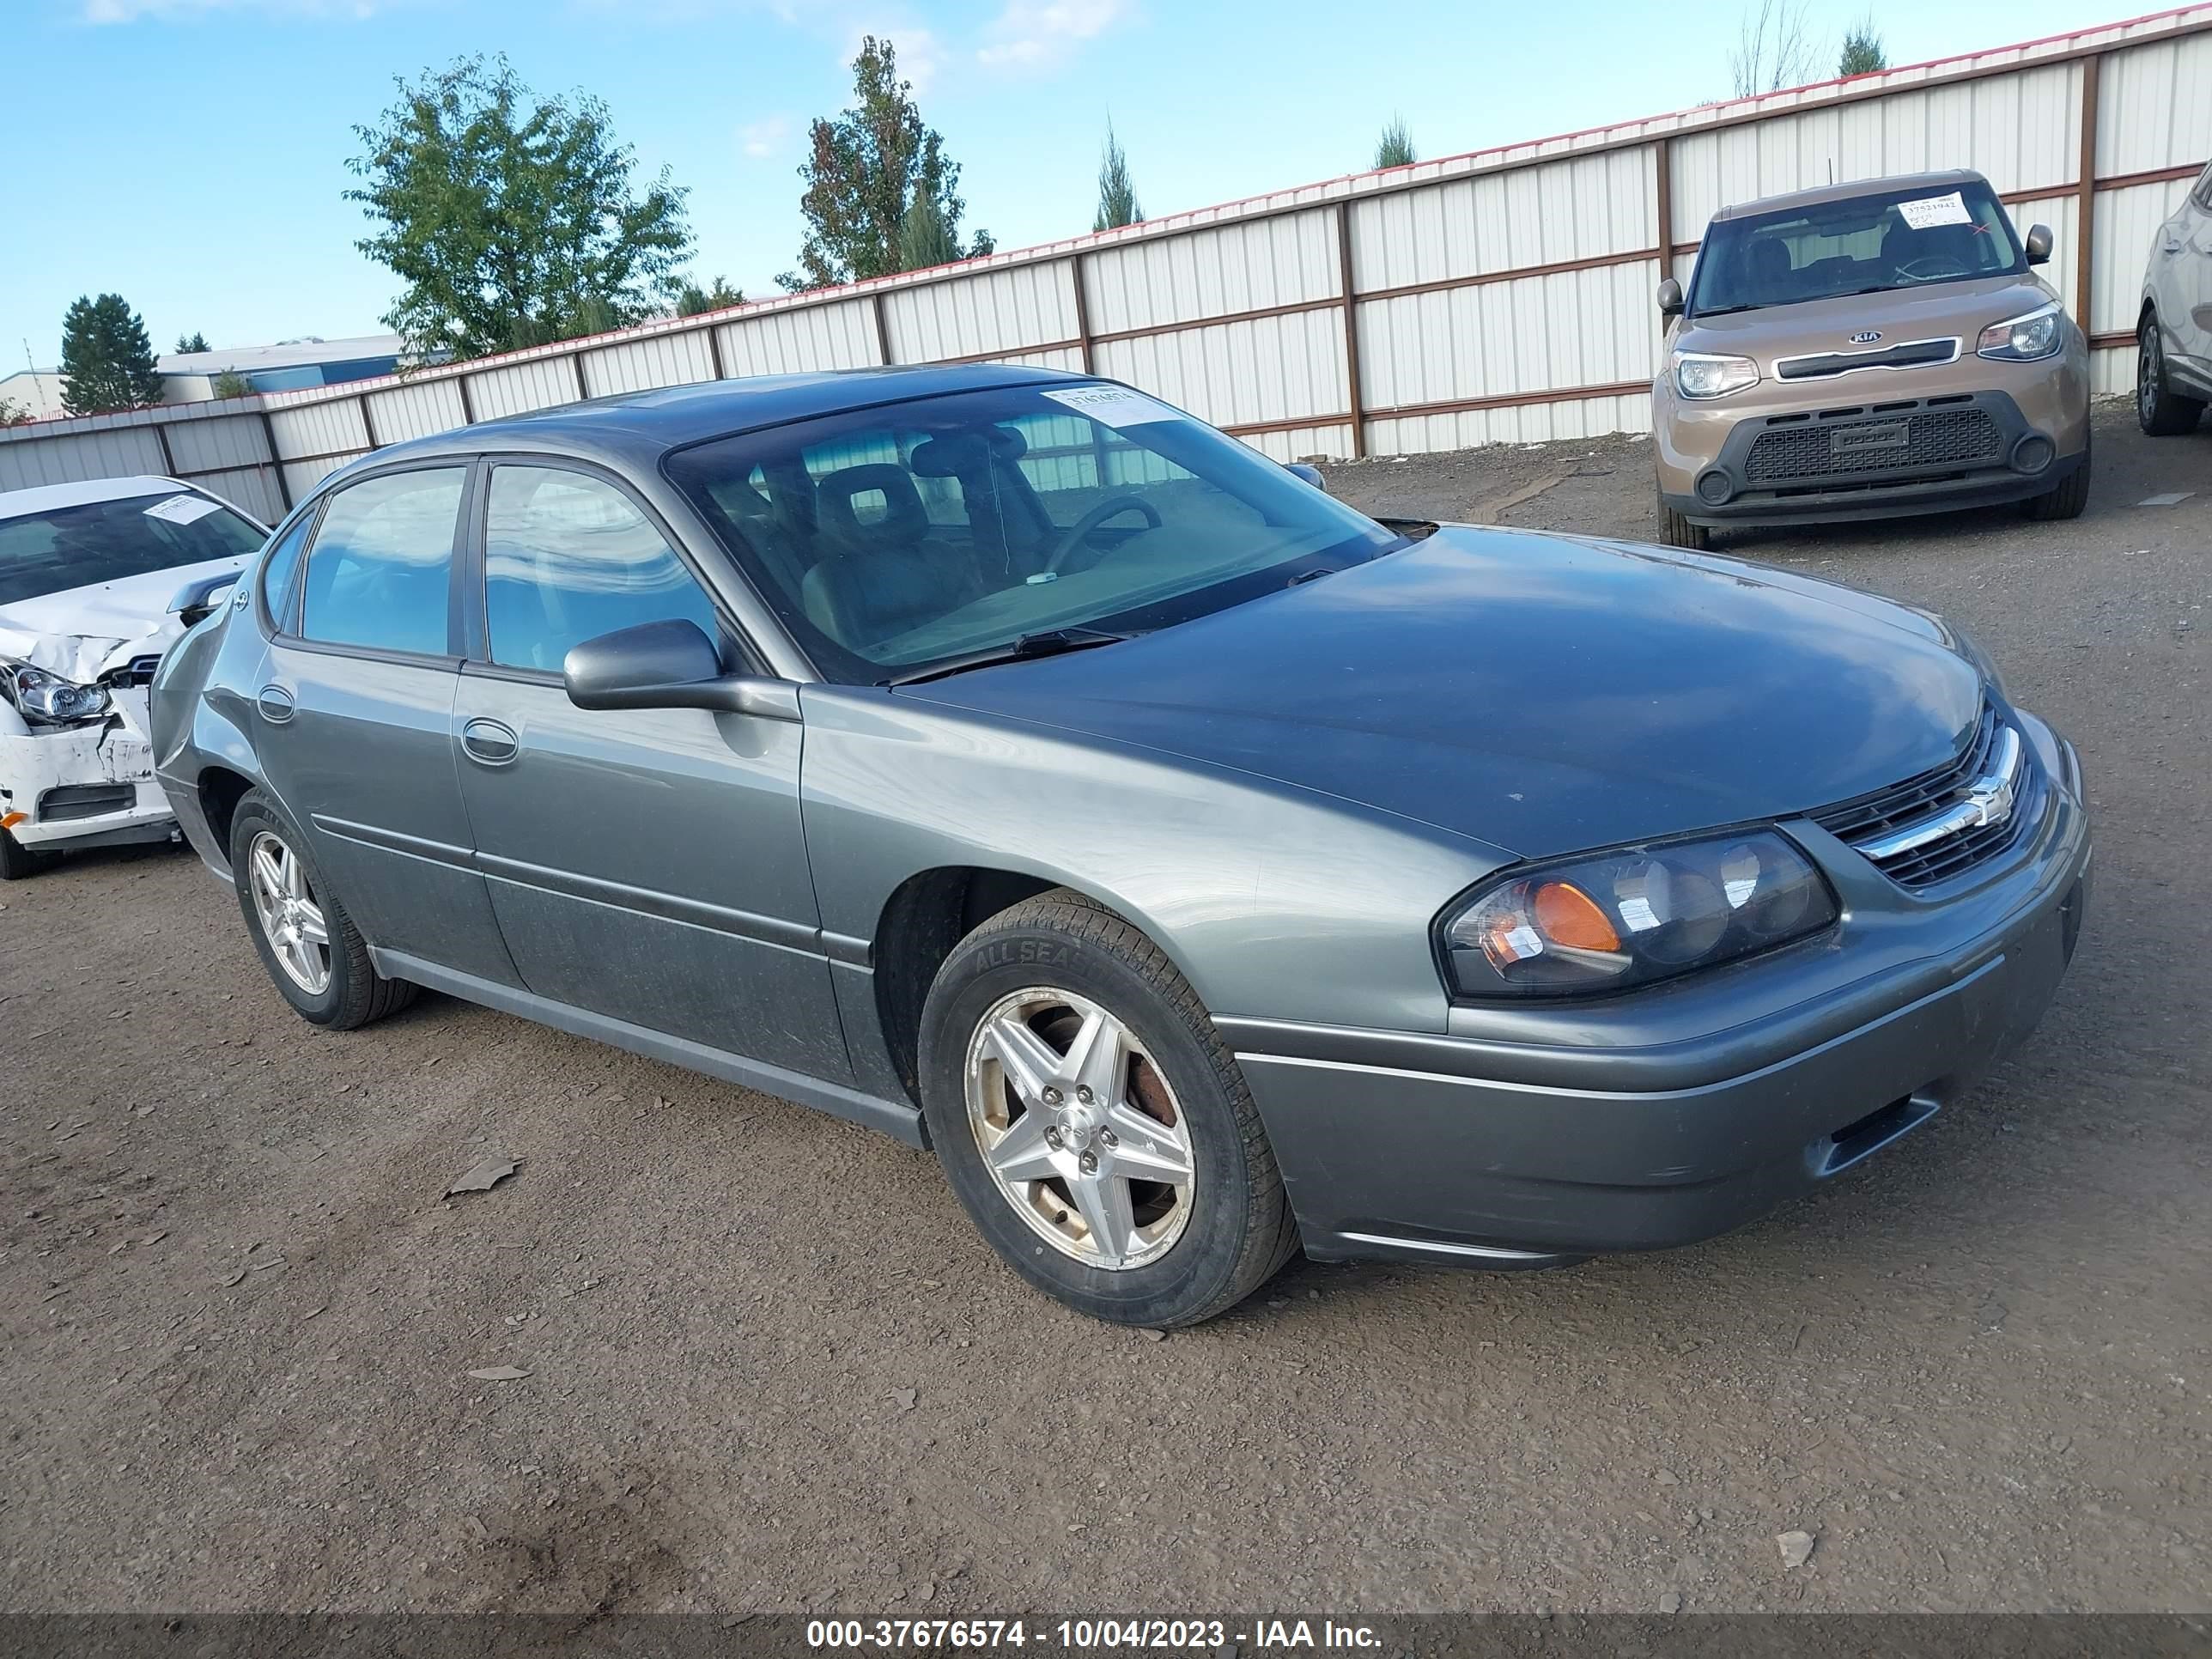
x: 1052, y: 978
x: 18, y: 862
x: 2159, y: 410
x: 349, y: 992
x: 2068, y: 499
x: 1675, y: 531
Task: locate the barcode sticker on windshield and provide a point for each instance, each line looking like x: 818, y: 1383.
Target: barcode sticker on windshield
x: 183, y: 509
x: 1113, y: 405
x: 1932, y: 211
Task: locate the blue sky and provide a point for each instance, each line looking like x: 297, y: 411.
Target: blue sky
x: 190, y: 154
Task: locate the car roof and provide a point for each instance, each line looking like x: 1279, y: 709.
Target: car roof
x: 45, y: 498
x: 1948, y: 180
x: 642, y: 424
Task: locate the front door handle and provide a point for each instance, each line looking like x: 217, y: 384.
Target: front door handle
x: 276, y: 703
x: 489, y: 742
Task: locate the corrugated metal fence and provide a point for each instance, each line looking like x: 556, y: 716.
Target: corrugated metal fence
x: 1502, y: 295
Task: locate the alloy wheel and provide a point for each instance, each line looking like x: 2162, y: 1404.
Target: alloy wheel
x: 291, y: 920
x: 2148, y: 376
x: 1079, y: 1128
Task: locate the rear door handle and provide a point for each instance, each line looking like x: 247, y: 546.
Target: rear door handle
x: 276, y: 703
x: 489, y: 742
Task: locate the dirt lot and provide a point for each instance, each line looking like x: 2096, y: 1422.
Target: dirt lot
x: 771, y: 1367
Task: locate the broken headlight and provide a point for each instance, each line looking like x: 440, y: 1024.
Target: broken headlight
x: 48, y: 699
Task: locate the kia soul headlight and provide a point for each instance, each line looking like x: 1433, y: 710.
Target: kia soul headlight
x: 1702, y: 374
x: 2024, y: 339
x: 1614, y: 920
x: 39, y: 695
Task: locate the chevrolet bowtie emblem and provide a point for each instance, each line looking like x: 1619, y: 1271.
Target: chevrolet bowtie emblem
x: 1992, y: 800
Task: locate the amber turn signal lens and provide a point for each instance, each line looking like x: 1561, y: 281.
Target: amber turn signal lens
x: 1571, y: 917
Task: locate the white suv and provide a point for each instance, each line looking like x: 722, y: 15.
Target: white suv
x: 97, y: 579
x: 2173, y: 364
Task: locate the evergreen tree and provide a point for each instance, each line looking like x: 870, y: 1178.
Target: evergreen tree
x: 1117, y: 197
x: 192, y: 341
x: 107, y: 358
x: 1863, y: 53
x: 924, y: 239
x: 1395, y: 148
x: 693, y: 300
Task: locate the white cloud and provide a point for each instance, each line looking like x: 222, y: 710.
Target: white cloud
x: 764, y: 138
x: 129, y: 11
x: 1041, y: 34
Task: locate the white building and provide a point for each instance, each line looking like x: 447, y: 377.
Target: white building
x: 189, y: 377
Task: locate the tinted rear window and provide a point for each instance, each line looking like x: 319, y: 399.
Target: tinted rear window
x: 107, y: 541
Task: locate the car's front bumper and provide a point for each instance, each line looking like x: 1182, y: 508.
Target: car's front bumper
x: 85, y: 786
x: 1459, y: 1150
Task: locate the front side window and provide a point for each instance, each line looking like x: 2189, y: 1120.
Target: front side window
x: 894, y: 540
x: 380, y: 569
x: 97, y: 542
x: 568, y: 558
x: 1887, y: 239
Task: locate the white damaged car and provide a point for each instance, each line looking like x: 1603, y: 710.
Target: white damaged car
x: 97, y: 579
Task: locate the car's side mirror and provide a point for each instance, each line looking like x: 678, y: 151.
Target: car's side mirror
x: 2038, y: 245
x: 1310, y: 474
x: 669, y: 665
x: 1670, y: 298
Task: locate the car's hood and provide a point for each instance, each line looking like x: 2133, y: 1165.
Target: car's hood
x: 1938, y: 311
x: 1542, y: 693
x: 80, y: 632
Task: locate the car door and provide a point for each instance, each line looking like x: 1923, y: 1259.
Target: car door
x: 354, y: 719
x: 2194, y: 280
x: 644, y: 863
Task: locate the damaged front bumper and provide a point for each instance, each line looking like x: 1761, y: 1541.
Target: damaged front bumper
x: 91, y: 785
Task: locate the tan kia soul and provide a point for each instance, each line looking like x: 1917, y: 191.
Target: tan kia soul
x: 1866, y: 351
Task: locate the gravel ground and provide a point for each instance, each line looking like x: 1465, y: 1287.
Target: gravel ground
x: 770, y: 1366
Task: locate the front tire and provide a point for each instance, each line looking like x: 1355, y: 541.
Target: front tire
x: 314, y: 954
x: 1675, y: 531
x: 18, y: 862
x: 2067, y: 501
x: 2159, y: 410
x: 1092, y: 1123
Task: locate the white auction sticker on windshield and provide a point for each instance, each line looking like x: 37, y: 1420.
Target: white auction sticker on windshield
x: 1932, y: 211
x: 1113, y: 405
x: 183, y: 509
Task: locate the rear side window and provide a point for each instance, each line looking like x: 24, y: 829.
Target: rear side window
x: 277, y: 570
x: 380, y: 569
x: 568, y: 558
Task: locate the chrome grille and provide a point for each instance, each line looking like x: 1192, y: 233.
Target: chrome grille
x: 1920, y: 832
x: 1830, y: 448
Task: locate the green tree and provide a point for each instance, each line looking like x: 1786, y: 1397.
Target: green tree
x: 863, y: 172
x: 1396, y: 147
x: 1117, y: 197
x: 13, y: 413
x: 1862, y: 52
x: 925, y: 240
x: 513, y: 220
x: 231, y: 383
x: 107, y: 358
x: 692, y: 299
x: 192, y: 341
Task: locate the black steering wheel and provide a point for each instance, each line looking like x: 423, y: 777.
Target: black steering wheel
x: 1950, y: 267
x: 1097, y: 515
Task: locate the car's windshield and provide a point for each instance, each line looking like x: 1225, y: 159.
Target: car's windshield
x: 895, y: 539
x: 95, y: 542
x: 1902, y: 237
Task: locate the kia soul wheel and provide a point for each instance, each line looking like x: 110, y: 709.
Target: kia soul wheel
x: 1092, y: 1123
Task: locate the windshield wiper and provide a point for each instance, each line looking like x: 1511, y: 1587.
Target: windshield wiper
x: 1050, y: 643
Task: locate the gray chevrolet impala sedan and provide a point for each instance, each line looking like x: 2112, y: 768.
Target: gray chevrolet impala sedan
x: 1010, y: 761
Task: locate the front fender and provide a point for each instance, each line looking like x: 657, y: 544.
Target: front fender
x: 1275, y: 902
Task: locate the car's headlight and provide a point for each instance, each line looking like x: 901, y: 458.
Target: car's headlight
x: 2039, y: 333
x: 39, y: 695
x: 1612, y: 920
x: 1701, y: 374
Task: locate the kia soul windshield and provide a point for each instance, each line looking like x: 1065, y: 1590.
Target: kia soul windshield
x: 899, y: 539
x: 1893, y: 239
